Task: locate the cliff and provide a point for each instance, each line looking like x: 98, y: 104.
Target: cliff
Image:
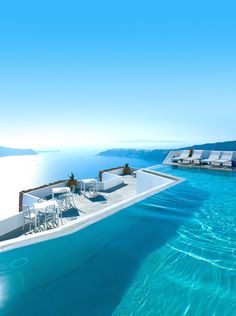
x: 158, y: 155
x: 6, y: 151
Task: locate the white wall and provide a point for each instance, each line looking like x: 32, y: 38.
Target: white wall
x: 16, y: 221
x: 109, y: 181
x: 108, y: 176
x: 29, y: 199
x: 45, y: 191
x: 34, y: 195
x: 147, y: 181
x: 118, y: 171
x: 11, y: 223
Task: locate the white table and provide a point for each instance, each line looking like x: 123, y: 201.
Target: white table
x: 84, y: 182
x: 40, y: 207
x: 58, y: 190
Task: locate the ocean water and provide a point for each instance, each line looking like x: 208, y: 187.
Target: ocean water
x: 172, y: 254
x: 24, y: 172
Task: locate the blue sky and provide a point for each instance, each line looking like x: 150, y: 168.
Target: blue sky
x: 112, y: 72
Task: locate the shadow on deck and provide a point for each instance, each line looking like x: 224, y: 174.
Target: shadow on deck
x: 68, y: 215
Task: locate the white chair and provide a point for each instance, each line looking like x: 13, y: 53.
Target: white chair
x: 40, y: 215
x: 29, y: 218
x: 182, y: 155
x: 195, y: 158
x: 49, y: 214
x: 71, y: 195
x: 62, y: 201
x: 93, y: 188
x: 72, y: 189
x: 214, y: 155
x: 225, y: 159
x: 60, y: 208
x: 64, y: 197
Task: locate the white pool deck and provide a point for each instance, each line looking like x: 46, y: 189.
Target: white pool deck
x: 88, y: 210
x: 203, y: 167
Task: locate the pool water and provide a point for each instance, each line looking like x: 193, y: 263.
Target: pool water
x: 172, y: 254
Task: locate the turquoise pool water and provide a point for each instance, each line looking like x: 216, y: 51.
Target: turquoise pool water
x: 172, y: 254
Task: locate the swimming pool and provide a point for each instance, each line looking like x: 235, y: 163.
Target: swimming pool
x: 172, y: 254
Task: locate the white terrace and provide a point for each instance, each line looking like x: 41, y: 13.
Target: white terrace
x: 115, y: 192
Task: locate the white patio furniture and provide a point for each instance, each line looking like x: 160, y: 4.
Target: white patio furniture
x: 195, y: 158
x: 68, y: 197
x: 47, y: 211
x: 182, y: 155
x: 85, y: 184
x: 50, y: 215
x: 93, y: 188
x: 72, y: 189
x: 60, y: 209
x: 63, y: 201
x: 58, y: 190
x: 225, y: 159
x: 30, y: 218
x: 214, y: 155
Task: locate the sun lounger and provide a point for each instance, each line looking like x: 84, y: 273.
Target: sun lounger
x: 183, y: 154
x: 214, y: 155
x: 225, y: 159
x: 195, y: 158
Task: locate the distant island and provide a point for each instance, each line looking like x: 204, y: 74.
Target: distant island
x: 47, y: 151
x: 230, y: 145
x: 6, y: 151
x: 158, y: 155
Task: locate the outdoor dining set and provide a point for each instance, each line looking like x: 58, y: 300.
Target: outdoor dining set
x: 44, y: 214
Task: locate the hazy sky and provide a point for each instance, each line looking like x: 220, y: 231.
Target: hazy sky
x: 104, y: 72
